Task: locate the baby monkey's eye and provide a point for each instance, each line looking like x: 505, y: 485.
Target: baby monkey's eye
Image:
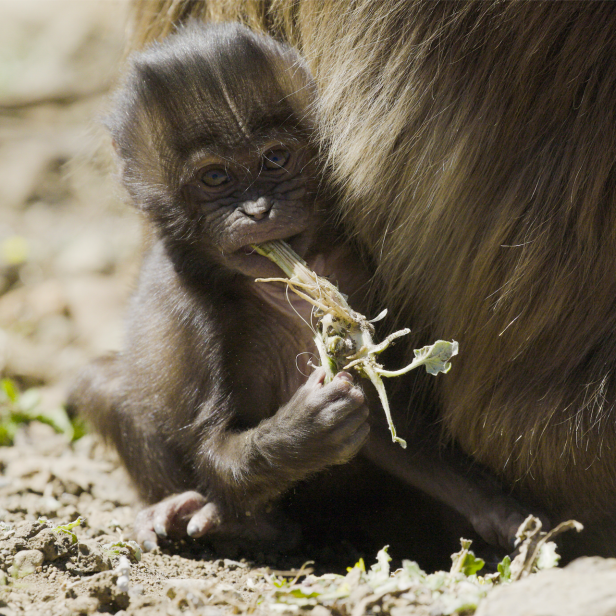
x: 215, y: 177
x: 276, y: 159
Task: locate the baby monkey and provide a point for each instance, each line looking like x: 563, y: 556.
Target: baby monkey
x: 209, y: 404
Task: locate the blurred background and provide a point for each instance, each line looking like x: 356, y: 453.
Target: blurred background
x: 69, y: 242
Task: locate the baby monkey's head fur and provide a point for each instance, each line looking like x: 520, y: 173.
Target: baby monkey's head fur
x: 213, y: 130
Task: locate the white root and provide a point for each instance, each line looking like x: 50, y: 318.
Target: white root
x: 343, y: 337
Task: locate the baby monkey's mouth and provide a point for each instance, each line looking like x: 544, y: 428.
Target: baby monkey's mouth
x: 249, y: 262
x: 296, y: 241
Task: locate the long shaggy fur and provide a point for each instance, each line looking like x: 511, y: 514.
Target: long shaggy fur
x: 474, y: 145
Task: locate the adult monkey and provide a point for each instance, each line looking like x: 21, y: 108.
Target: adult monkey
x: 475, y: 146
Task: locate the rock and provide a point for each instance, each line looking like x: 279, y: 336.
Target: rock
x: 89, y: 559
x: 33, y: 303
x: 52, y: 545
x: 84, y: 254
x: 27, y: 530
x: 587, y: 586
x: 103, y: 587
x: 83, y: 605
x: 26, y: 562
x: 177, y: 585
x: 8, y: 549
x: 231, y: 565
x: 96, y: 304
x: 42, y: 437
x: 592, y: 564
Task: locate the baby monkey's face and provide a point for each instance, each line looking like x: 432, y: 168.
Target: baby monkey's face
x: 254, y: 195
x: 213, y: 129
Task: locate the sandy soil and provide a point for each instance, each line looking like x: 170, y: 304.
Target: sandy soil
x: 45, y: 479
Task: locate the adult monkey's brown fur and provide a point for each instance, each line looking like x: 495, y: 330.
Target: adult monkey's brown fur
x: 475, y: 144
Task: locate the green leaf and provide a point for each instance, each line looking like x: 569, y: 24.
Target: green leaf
x: 9, y: 389
x: 504, y: 568
x: 17, y: 409
x: 465, y: 561
x: 301, y: 593
x: 57, y: 419
x: 472, y: 564
x: 115, y: 548
x: 8, y: 429
x: 435, y: 357
x: 79, y: 428
x: 358, y: 565
x: 68, y: 528
x: 280, y: 582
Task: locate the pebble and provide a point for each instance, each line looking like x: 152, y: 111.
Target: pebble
x: 585, y: 587
x: 26, y: 562
x: 233, y: 564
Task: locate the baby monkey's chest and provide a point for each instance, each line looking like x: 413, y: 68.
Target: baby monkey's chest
x: 270, y: 362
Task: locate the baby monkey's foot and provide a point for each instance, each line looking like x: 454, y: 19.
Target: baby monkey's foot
x: 183, y: 514
x: 191, y: 514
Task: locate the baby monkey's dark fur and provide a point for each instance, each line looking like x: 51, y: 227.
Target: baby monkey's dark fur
x: 208, y: 404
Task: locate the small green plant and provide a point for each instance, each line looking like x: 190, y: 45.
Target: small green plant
x: 67, y: 529
x: 380, y: 590
x: 536, y: 550
x: 465, y: 560
x: 116, y: 548
x: 504, y: 569
x: 17, y: 409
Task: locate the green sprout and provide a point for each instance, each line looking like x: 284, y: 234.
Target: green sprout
x: 115, y: 548
x: 504, y: 569
x: 465, y: 560
x: 17, y: 409
x: 67, y: 529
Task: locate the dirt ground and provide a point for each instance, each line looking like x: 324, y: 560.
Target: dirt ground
x: 69, y: 252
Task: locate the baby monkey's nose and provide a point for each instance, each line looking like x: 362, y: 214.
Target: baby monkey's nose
x: 257, y: 209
